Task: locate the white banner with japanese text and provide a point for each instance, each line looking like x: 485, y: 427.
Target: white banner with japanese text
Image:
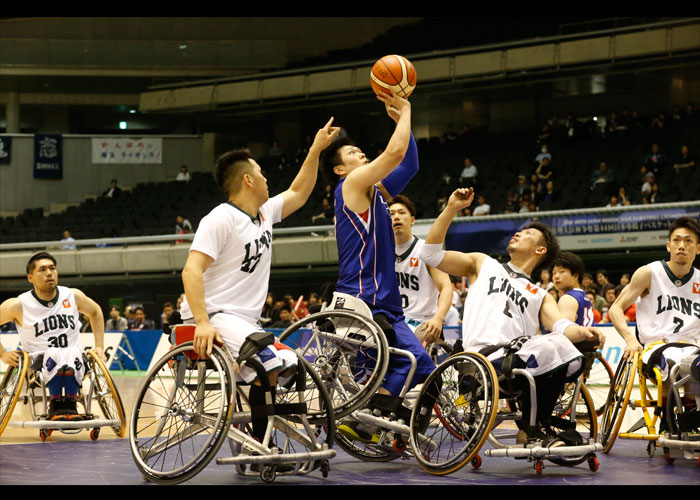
x: 127, y: 150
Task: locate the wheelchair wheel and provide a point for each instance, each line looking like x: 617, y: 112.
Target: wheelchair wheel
x: 11, y: 388
x: 454, y: 414
x: 586, y: 426
x: 181, y: 414
x: 618, y: 400
x: 348, y: 351
x: 105, y: 391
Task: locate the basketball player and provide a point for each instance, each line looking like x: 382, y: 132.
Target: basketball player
x: 47, y: 319
x: 573, y: 303
x: 426, y: 293
x: 504, y: 304
x: 228, y: 267
x: 668, y: 301
x: 365, y: 237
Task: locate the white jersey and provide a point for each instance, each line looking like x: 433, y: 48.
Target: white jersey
x: 237, y: 281
x: 419, y: 295
x: 671, y: 310
x: 49, y: 324
x: 502, y: 304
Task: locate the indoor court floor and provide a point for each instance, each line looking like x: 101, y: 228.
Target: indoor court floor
x: 25, y: 460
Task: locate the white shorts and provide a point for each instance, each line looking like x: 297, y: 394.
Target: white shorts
x: 56, y: 358
x: 672, y: 356
x: 234, y: 330
x: 544, y: 353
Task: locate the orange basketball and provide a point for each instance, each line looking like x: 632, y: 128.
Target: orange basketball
x: 394, y: 73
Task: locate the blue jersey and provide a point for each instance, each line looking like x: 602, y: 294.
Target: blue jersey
x: 366, y: 252
x: 584, y: 314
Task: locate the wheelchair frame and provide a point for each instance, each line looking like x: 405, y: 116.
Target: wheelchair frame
x: 198, y: 401
x: 101, y: 387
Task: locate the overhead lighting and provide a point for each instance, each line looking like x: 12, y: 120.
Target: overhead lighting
x: 122, y: 125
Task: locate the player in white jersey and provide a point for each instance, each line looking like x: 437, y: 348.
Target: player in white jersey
x: 668, y: 300
x: 47, y: 319
x: 504, y: 304
x: 227, y: 272
x: 426, y: 292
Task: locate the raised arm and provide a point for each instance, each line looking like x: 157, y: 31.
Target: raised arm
x: 304, y: 182
x: 433, y: 327
x: 93, y: 311
x: 451, y: 262
x: 638, y: 286
x: 358, y: 181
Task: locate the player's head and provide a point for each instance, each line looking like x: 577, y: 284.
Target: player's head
x: 567, y: 271
x: 41, y: 271
x: 341, y: 158
x: 683, y: 243
x: 403, y: 216
x: 534, y: 240
x: 236, y: 171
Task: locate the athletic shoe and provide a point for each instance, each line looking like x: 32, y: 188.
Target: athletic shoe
x: 353, y: 432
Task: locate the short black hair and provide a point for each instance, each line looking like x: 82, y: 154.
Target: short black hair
x: 572, y: 262
x: 604, y: 272
x: 404, y: 200
x: 549, y: 241
x: 230, y: 165
x: 38, y: 256
x: 687, y: 223
x: 330, y: 157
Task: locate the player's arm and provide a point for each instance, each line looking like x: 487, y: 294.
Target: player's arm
x: 568, y: 306
x: 451, y: 262
x: 433, y: 326
x: 639, y: 285
x: 93, y: 311
x: 304, y: 182
x: 10, y: 310
x: 362, y: 178
x: 193, y: 282
x: 554, y: 321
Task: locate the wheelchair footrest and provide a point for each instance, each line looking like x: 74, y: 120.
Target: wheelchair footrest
x: 324, y: 454
x: 65, y: 424
x: 390, y: 404
x: 544, y: 452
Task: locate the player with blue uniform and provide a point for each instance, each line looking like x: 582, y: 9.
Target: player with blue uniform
x: 567, y: 271
x: 365, y: 236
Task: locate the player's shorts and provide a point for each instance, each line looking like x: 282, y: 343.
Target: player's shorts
x: 669, y: 357
x: 544, y: 353
x: 55, y: 358
x: 234, y: 330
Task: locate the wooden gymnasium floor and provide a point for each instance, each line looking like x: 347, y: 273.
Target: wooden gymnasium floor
x: 25, y: 460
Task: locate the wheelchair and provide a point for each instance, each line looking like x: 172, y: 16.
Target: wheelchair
x: 23, y: 383
x: 656, y: 418
x: 464, y: 403
x: 188, y: 406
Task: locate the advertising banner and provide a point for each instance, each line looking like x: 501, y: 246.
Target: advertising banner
x: 48, y: 156
x: 127, y: 150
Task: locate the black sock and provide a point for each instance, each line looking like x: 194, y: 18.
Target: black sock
x: 256, y: 397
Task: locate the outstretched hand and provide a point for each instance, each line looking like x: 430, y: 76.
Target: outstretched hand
x: 325, y: 135
x: 461, y: 198
x: 394, y: 105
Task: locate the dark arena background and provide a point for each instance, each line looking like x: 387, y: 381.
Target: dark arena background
x: 146, y: 105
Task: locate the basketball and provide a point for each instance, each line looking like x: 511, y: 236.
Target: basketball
x: 394, y: 73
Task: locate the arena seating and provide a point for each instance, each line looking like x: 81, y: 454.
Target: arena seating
x: 151, y: 208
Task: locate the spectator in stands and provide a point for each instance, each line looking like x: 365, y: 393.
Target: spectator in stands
x: 275, y: 151
x: 315, y: 303
x: 179, y: 301
x: 596, y: 313
x: 524, y: 204
x: 113, y: 191
x: 656, y: 196
x: 68, y: 241
x: 469, y: 174
x: 544, y: 170
x: 85, y: 326
x: 622, y: 197
x: 624, y: 280
x: 325, y: 216
x: 521, y: 188
x: 289, y: 301
x: 466, y: 132
x: 655, y: 162
x: 182, y: 225
x: 645, y: 191
x: 691, y: 116
x: 586, y: 280
x: 684, y: 162
x: 545, y: 279
x: 610, y: 296
x: 184, y: 175
x: 659, y: 121
x: 614, y: 202
x: 549, y: 197
x: 603, y: 280
x: 115, y: 323
x: 544, y: 153
x: 168, y: 309
x: 450, y: 134
x: 511, y: 205
x: 635, y: 120
x: 597, y: 301
x: 286, y: 318
x: 676, y: 114
x: 602, y: 175
x: 268, y: 310
x: 536, y: 188
x: 140, y: 321
x: 572, y: 126
x: 482, y: 208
